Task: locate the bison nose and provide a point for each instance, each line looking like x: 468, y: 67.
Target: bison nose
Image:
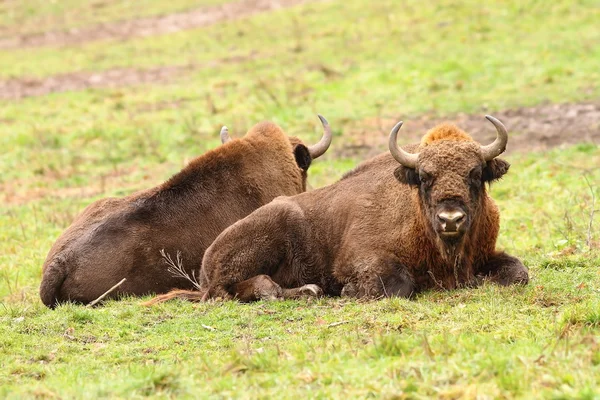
x: 451, y: 220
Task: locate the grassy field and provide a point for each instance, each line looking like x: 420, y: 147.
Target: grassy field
x: 352, y: 61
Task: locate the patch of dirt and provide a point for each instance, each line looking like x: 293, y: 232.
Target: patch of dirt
x: 143, y: 27
x: 18, y: 88
x: 20, y: 192
x: 530, y: 128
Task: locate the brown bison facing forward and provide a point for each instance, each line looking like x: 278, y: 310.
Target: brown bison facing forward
x: 117, y: 238
x: 383, y: 230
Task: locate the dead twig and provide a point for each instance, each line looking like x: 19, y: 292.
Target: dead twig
x: 208, y: 328
x: 438, y: 283
x: 427, y: 347
x: 334, y: 324
x: 93, y: 303
x: 383, y: 286
x: 593, y: 211
x: 176, y: 268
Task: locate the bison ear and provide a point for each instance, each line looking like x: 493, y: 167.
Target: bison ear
x: 494, y: 170
x: 407, y: 176
x: 302, y: 156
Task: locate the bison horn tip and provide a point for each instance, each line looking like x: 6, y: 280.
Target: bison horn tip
x: 397, y: 127
x: 493, y: 150
x: 323, y: 120
x: 405, y: 158
x: 225, y: 135
x: 491, y: 118
x: 318, y: 149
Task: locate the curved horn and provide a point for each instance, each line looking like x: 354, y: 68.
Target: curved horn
x: 409, y: 160
x: 318, y: 149
x: 493, y: 150
x: 225, y: 135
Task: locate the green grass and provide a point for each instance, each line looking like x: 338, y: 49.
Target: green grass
x: 350, y: 61
x: 509, y: 342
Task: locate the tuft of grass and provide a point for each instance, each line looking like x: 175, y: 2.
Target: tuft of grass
x: 391, y: 346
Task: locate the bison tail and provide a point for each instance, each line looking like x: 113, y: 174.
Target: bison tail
x: 53, y: 277
x: 188, y: 295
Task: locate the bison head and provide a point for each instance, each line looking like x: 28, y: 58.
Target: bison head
x: 303, y: 154
x: 450, y: 170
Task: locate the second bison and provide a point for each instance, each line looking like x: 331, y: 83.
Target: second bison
x: 118, y: 238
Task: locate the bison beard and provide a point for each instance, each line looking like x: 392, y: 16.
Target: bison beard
x: 382, y: 230
x: 119, y: 238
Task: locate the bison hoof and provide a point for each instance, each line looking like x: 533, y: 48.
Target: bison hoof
x: 310, y: 291
x: 349, y: 290
x: 270, y: 294
x: 520, y: 278
x: 271, y: 297
x: 513, y: 278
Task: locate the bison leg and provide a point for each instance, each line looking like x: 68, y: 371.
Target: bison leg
x: 258, y: 255
x: 391, y: 286
x: 262, y: 287
x: 303, y: 291
x: 382, y: 277
x: 259, y: 287
x: 505, y: 270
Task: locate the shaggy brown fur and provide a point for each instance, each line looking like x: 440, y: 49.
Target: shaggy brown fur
x: 117, y: 238
x: 445, y: 131
x: 374, y: 233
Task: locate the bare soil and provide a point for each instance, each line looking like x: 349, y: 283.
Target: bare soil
x: 18, y: 88
x: 143, y: 27
x: 535, y: 128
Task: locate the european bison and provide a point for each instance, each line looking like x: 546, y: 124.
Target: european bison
x: 413, y: 219
x: 117, y: 238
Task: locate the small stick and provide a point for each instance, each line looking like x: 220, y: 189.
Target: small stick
x: 592, y: 212
x: 383, y: 286
x: 337, y: 324
x: 175, y: 268
x: 93, y: 303
x: 438, y: 283
x: 208, y: 328
x: 427, y: 347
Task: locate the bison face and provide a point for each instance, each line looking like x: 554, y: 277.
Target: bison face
x: 450, y: 176
x: 450, y: 172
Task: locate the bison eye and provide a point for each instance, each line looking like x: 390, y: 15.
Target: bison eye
x: 426, y: 179
x: 475, y: 176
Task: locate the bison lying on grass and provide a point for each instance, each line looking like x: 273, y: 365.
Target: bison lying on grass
x: 406, y: 221
x: 118, y: 238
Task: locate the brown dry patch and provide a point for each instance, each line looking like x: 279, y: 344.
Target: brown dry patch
x: 19, y: 192
x: 18, y: 88
x: 536, y: 128
x: 143, y: 27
